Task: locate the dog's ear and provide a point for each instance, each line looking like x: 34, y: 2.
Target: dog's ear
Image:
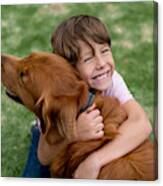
x: 68, y: 117
x: 70, y: 105
x: 59, y: 118
x: 59, y: 112
x: 24, y: 75
x: 48, y: 116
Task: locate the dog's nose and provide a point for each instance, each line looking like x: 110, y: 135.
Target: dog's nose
x: 3, y: 57
x: 2, y: 61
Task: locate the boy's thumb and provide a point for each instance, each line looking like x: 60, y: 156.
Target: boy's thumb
x: 91, y: 108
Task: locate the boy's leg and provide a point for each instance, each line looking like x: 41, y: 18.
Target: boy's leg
x: 33, y: 168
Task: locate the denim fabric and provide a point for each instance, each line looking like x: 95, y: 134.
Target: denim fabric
x: 33, y: 168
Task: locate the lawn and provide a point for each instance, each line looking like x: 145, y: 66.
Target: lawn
x: 28, y: 28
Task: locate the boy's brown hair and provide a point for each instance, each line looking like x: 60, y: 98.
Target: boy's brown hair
x: 65, y: 38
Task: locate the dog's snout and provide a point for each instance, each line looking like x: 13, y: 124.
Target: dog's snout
x: 7, y: 61
x: 3, y: 58
x: 2, y: 62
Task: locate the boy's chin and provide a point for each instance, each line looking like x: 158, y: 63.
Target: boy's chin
x: 102, y: 87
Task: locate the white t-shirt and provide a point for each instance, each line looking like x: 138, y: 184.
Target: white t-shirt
x: 118, y: 89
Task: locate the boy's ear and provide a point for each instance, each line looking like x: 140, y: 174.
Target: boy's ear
x: 9, y: 58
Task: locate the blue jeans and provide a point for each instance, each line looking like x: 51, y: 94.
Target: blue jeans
x: 33, y: 168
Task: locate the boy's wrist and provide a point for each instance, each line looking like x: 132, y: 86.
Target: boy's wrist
x: 96, y: 159
x: 101, y: 157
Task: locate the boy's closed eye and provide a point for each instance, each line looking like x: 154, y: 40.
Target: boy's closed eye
x: 88, y: 59
x: 106, y: 50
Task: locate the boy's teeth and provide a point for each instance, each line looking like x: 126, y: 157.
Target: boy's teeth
x: 101, y: 76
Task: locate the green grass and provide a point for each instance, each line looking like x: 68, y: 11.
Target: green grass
x: 27, y: 28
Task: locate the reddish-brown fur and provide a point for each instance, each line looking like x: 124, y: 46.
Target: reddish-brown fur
x: 48, y: 86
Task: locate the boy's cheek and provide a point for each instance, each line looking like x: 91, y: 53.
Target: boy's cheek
x: 86, y: 78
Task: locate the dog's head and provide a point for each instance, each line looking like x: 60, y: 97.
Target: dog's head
x: 48, y: 86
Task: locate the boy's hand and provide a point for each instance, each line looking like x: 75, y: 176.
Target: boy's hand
x: 90, y: 124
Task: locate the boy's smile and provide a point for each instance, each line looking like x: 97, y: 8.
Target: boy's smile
x: 96, y: 64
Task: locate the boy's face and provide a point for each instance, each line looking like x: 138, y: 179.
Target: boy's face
x: 96, y: 68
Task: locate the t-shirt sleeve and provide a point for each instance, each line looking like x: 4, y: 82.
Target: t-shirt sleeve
x: 119, y: 89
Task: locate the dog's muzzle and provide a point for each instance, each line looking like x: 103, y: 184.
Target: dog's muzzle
x: 13, y: 96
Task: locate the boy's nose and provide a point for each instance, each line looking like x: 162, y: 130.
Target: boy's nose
x: 100, y: 62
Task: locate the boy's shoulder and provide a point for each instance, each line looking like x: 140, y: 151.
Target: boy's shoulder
x: 116, y: 76
x: 117, y: 81
x: 119, y: 88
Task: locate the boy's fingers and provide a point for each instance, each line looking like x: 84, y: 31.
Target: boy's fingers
x: 99, y: 134
x: 94, y: 116
x: 100, y: 127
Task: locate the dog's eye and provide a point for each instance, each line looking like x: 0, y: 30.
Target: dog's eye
x: 22, y: 74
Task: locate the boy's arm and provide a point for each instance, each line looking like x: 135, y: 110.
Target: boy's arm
x: 132, y: 133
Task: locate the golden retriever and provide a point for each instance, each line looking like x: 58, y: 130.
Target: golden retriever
x: 51, y: 88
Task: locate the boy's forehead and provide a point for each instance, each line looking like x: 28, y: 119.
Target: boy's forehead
x: 84, y: 45
x: 87, y: 48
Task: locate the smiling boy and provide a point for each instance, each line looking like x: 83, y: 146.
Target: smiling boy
x: 84, y: 41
